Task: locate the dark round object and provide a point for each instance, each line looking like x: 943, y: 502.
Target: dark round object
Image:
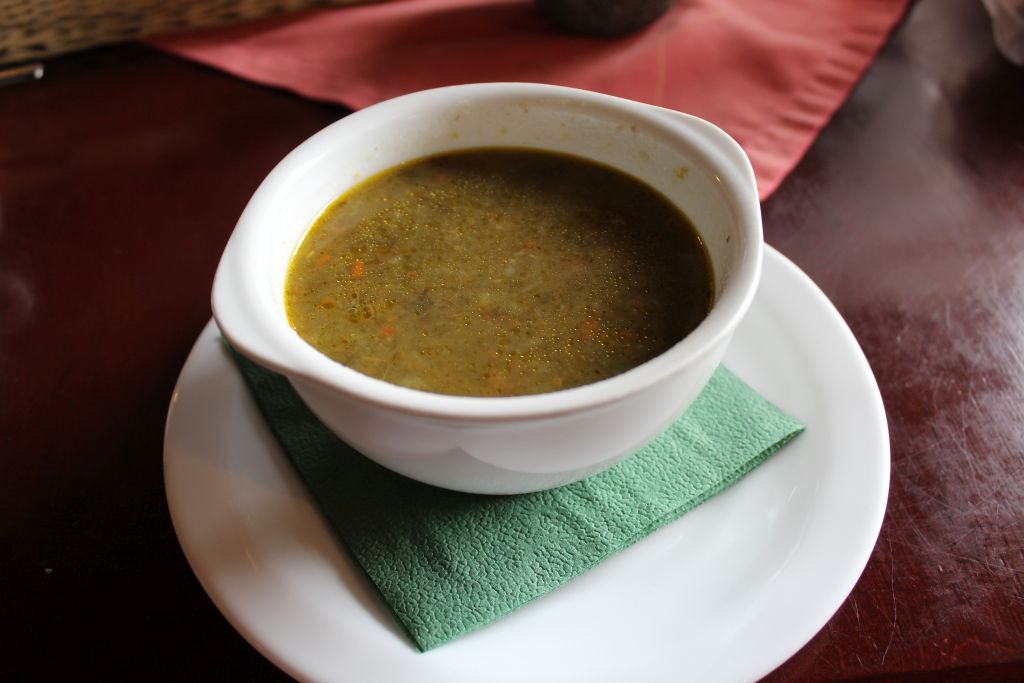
x: 604, y: 18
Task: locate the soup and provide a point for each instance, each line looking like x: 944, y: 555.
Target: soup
x: 498, y: 272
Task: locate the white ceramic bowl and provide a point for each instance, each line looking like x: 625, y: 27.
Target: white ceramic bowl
x: 495, y: 445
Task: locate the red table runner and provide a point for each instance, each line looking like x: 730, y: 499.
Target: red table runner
x: 769, y: 72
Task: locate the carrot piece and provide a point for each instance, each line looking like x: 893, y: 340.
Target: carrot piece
x: 358, y: 269
x: 323, y: 260
x: 388, y: 330
x: 589, y: 328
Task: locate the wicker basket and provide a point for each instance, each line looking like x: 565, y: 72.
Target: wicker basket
x: 35, y: 29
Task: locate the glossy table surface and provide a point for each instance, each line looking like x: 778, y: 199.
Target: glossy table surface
x: 122, y: 173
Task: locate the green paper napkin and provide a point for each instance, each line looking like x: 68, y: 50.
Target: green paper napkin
x: 447, y: 563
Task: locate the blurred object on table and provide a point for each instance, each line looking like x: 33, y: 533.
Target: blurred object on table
x: 605, y: 18
x: 1008, y: 27
x: 32, y: 71
x: 35, y: 29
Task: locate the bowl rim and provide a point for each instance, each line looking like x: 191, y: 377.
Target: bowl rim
x: 270, y: 341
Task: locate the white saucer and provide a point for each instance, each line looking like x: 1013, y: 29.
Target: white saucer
x: 727, y: 593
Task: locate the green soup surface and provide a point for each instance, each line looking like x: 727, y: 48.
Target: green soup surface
x: 498, y: 272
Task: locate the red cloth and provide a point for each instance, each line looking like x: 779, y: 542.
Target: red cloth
x: 769, y: 72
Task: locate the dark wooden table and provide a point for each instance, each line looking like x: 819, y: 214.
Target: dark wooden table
x: 121, y: 176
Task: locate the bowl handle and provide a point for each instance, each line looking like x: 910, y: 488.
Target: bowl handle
x: 242, y: 315
x: 722, y: 146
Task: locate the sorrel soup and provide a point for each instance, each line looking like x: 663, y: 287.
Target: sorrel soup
x: 498, y: 272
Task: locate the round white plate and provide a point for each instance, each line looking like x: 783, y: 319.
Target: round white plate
x: 727, y: 593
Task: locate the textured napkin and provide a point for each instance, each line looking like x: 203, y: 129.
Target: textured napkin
x: 447, y: 563
x: 769, y: 72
